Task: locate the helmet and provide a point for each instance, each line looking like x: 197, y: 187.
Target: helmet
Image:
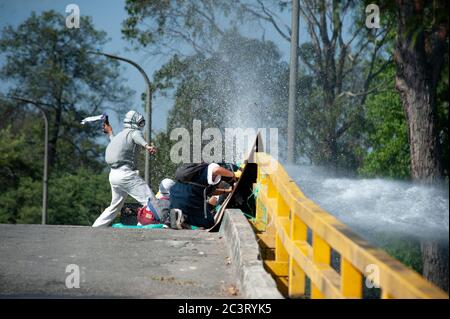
x: 134, y: 120
x: 165, y: 186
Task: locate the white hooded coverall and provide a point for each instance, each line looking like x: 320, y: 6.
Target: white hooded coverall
x: 124, y: 178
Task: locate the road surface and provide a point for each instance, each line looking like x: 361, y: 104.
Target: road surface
x: 122, y: 263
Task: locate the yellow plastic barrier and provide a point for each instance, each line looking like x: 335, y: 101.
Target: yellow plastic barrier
x: 284, y: 215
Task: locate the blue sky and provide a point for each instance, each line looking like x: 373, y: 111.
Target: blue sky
x: 108, y: 16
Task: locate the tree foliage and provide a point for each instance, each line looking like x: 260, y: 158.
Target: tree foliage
x: 241, y: 85
x: 165, y: 26
x: 49, y: 64
x: 387, y: 134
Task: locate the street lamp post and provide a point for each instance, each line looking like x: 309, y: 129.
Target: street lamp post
x: 293, y: 73
x: 148, y: 105
x: 45, y: 177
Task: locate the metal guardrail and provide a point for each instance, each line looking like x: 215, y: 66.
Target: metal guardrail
x: 284, y: 216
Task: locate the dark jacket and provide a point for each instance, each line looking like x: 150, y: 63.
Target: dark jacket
x: 190, y: 199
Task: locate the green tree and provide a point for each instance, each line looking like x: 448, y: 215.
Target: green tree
x: 387, y: 134
x: 164, y: 26
x: 240, y: 85
x: 421, y: 53
x: 163, y: 165
x: 422, y: 44
x: 76, y: 199
x: 49, y: 63
x: 15, y: 165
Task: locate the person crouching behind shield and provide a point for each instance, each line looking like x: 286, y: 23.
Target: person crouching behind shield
x: 121, y: 155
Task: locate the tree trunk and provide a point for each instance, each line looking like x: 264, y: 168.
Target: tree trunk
x: 435, y: 262
x: 419, y: 58
x: 418, y: 101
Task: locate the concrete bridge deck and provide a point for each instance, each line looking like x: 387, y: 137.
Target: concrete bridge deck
x: 135, y: 263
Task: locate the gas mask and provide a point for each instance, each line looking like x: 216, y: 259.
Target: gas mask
x: 134, y: 120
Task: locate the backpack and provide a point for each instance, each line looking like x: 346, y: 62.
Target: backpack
x: 145, y: 216
x: 187, y: 171
x: 148, y: 214
x: 128, y: 213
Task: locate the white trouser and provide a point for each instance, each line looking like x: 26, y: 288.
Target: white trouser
x: 123, y: 181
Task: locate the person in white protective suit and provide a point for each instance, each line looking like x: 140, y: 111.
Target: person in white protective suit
x: 121, y: 155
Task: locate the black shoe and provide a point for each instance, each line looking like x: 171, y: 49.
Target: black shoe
x: 177, y: 219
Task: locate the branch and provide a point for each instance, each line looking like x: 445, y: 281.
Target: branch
x: 197, y: 48
x: 80, y: 151
x: 267, y: 17
x: 344, y: 128
x: 323, y: 26
x: 210, y: 19
x: 350, y: 122
x: 315, y: 39
x: 371, y: 75
x: 354, y: 58
x: 363, y: 92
